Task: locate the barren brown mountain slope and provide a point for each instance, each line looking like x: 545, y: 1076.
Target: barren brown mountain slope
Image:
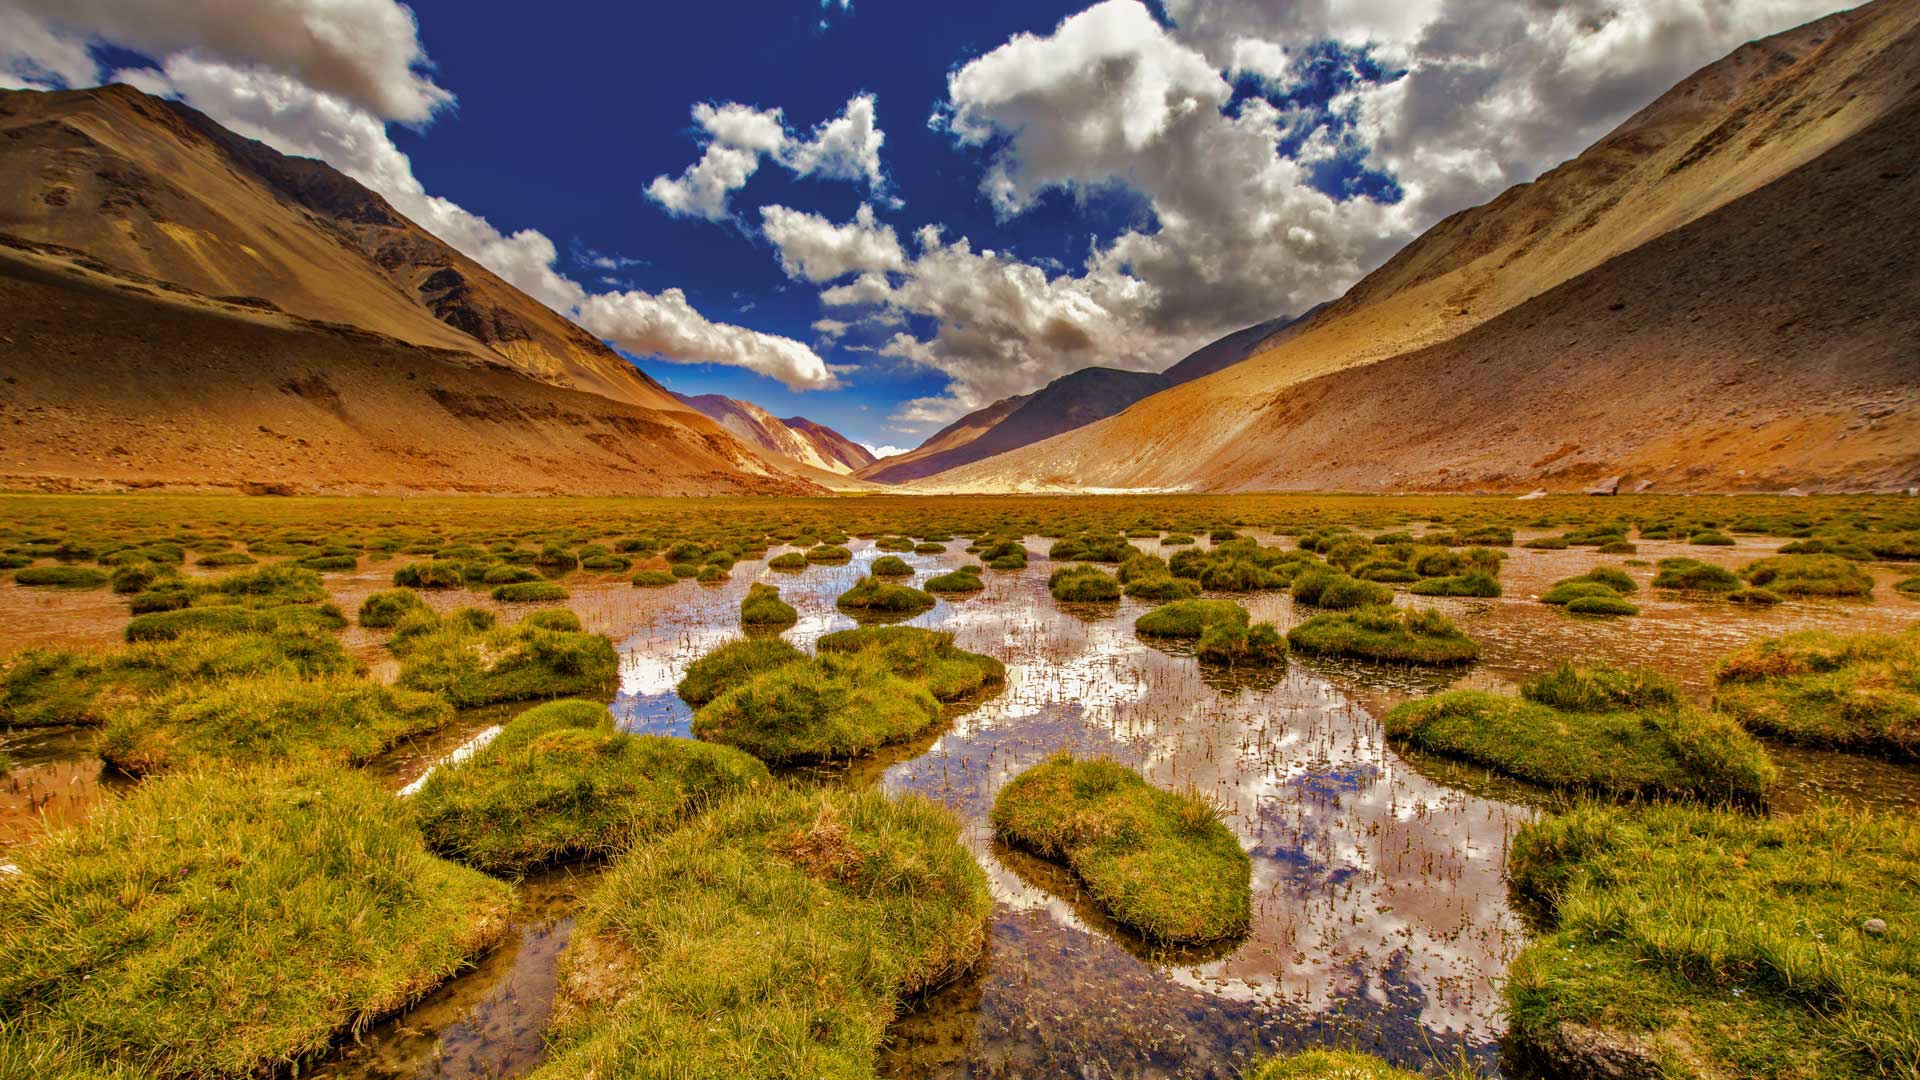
x: 798, y: 439
x: 116, y: 383
x: 1764, y: 112
x: 154, y: 187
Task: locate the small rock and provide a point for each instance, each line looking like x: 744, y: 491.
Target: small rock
x: 1875, y: 927
x: 1608, y: 486
x: 1538, y: 493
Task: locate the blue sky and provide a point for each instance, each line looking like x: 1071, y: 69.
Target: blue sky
x: 946, y: 205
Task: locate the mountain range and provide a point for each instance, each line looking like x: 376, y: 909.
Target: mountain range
x: 1720, y: 294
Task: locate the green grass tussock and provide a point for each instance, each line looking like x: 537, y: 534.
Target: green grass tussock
x: 891, y: 566
x: 788, y: 561
x: 1692, y: 575
x: 1474, y: 583
x: 335, y: 720
x: 480, y: 666
x: 1397, y: 635
x: 1847, y: 692
x: 1083, y: 583
x: 925, y: 656
x: 230, y: 924
x: 1809, y: 575
x: 60, y: 577
x: 1189, y: 618
x: 763, y: 607
x: 384, y: 610
x: 1623, y: 734
x: 1334, y: 591
x: 50, y: 687
x: 873, y: 596
x: 1699, y: 942
x: 1235, y: 645
x: 775, y: 936
x: 653, y: 579
x: 964, y: 580
x: 827, y: 708
x: 732, y: 664
x: 1160, y: 863
x: 561, y: 782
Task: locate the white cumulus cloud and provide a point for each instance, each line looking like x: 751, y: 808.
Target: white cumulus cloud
x: 738, y: 137
x: 814, y: 249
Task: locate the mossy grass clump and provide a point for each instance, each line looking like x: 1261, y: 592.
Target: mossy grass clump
x: 763, y: 607
x: 1083, y: 583
x: 1189, y: 618
x: 873, y: 596
x: 530, y: 592
x: 1710, y: 538
x: 329, y: 563
x: 788, y: 561
x: 226, y: 558
x: 1624, y: 734
x: 60, y: 577
x: 383, y: 610
x: 481, y: 666
x: 710, y: 575
x: 1004, y: 555
x: 1601, y: 605
x: 891, y: 566
x: 1692, y: 575
x: 1327, y: 588
x: 1809, y: 575
x: 653, y: 579
x: 831, y: 707
x: 430, y: 575
x: 777, y: 935
x: 1161, y: 588
x: 336, y: 720
x: 231, y: 923
x: 1755, y: 597
x: 732, y: 664
x: 893, y: 543
x: 1397, y: 635
x: 829, y: 553
x: 1687, y: 941
x: 964, y: 580
x: 562, y: 782
x: 1234, y: 645
x: 1910, y: 586
x: 137, y: 577
x: 234, y: 619
x: 53, y: 687
x: 1334, y: 1065
x: 1477, y: 583
x: 1160, y: 863
x: 1856, y: 692
x: 924, y: 656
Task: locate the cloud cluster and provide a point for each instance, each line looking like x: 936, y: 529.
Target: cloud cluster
x: 322, y: 78
x: 665, y: 325
x: 814, y: 249
x: 738, y: 137
x: 366, y: 52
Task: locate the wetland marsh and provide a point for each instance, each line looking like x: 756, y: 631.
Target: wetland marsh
x: 1382, y: 917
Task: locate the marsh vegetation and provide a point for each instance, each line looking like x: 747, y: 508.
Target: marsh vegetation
x: 207, y: 761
